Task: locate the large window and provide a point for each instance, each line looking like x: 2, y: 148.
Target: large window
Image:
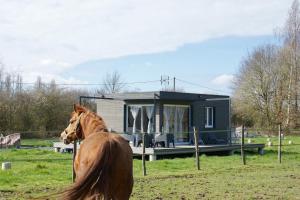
x: 140, y: 118
x: 176, y: 121
x: 209, y: 117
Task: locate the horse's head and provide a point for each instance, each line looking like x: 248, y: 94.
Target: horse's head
x: 73, y: 130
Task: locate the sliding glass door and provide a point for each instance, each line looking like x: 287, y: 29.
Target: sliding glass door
x: 176, y: 121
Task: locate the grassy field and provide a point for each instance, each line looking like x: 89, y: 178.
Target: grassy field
x: 39, y: 142
x: 39, y: 172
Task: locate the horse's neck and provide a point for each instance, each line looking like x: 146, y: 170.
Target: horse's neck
x: 93, y: 126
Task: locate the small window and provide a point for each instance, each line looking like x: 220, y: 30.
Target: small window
x: 209, y: 119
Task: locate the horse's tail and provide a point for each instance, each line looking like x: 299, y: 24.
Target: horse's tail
x: 96, y: 180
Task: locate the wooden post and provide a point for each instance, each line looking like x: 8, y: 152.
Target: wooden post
x: 143, y: 156
x: 74, y: 155
x: 279, y: 143
x: 174, y: 84
x: 242, y: 145
x: 196, y: 148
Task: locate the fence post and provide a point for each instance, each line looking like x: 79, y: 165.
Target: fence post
x: 196, y: 148
x: 279, y: 143
x: 242, y: 145
x: 143, y: 156
x: 74, y: 155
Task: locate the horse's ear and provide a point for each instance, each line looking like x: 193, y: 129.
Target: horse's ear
x: 79, y: 109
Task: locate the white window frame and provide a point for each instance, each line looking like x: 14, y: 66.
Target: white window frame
x: 207, y: 109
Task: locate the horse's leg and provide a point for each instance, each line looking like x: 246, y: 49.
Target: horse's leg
x: 123, y: 190
x: 123, y: 174
x: 121, y: 195
x: 95, y: 197
x: 76, y: 163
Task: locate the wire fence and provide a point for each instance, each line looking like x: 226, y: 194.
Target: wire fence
x: 280, y: 143
x: 233, y: 134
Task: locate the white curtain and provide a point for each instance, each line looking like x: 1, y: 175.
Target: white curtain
x: 180, y: 113
x: 167, y: 114
x: 175, y: 120
x: 134, y: 111
x: 149, y: 112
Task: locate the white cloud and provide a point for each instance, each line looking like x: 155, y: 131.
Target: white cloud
x: 50, y: 36
x: 30, y: 77
x: 50, y: 62
x: 224, y: 80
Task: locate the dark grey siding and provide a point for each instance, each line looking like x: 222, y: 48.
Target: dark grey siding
x: 112, y: 112
x: 181, y: 96
x: 163, y: 95
x: 220, y: 131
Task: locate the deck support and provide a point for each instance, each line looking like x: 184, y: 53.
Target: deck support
x: 152, y: 157
x: 153, y: 153
x: 261, y: 151
x: 243, y: 146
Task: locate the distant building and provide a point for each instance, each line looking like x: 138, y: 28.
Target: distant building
x: 166, y: 112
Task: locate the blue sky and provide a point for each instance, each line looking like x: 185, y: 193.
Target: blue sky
x: 79, y: 42
x: 199, y: 63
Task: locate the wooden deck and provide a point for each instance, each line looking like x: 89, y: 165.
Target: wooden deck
x: 153, y: 153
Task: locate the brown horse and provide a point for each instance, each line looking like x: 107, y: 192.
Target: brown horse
x: 103, y: 164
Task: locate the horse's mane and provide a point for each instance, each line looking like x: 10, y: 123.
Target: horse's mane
x: 97, y: 121
x: 96, y: 116
x: 102, y: 126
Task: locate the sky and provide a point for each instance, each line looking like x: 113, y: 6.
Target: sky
x: 199, y: 42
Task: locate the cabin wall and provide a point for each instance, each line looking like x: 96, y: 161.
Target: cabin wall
x: 112, y: 111
x: 219, y: 133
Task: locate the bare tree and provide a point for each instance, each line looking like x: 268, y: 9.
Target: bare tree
x: 255, y: 85
x: 112, y: 83
x: 39, y: 84
x: 1, y: 76
x: 291, y: 38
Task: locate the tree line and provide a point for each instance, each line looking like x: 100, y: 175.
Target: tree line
x: 42, y: 109
x: 266, y: 88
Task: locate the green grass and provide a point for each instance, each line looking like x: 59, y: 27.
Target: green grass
x: 39, y: 142
x: 41, y: 172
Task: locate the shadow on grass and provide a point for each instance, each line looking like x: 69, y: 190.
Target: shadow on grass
x: 271, y: 152
x: 185, y: 155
